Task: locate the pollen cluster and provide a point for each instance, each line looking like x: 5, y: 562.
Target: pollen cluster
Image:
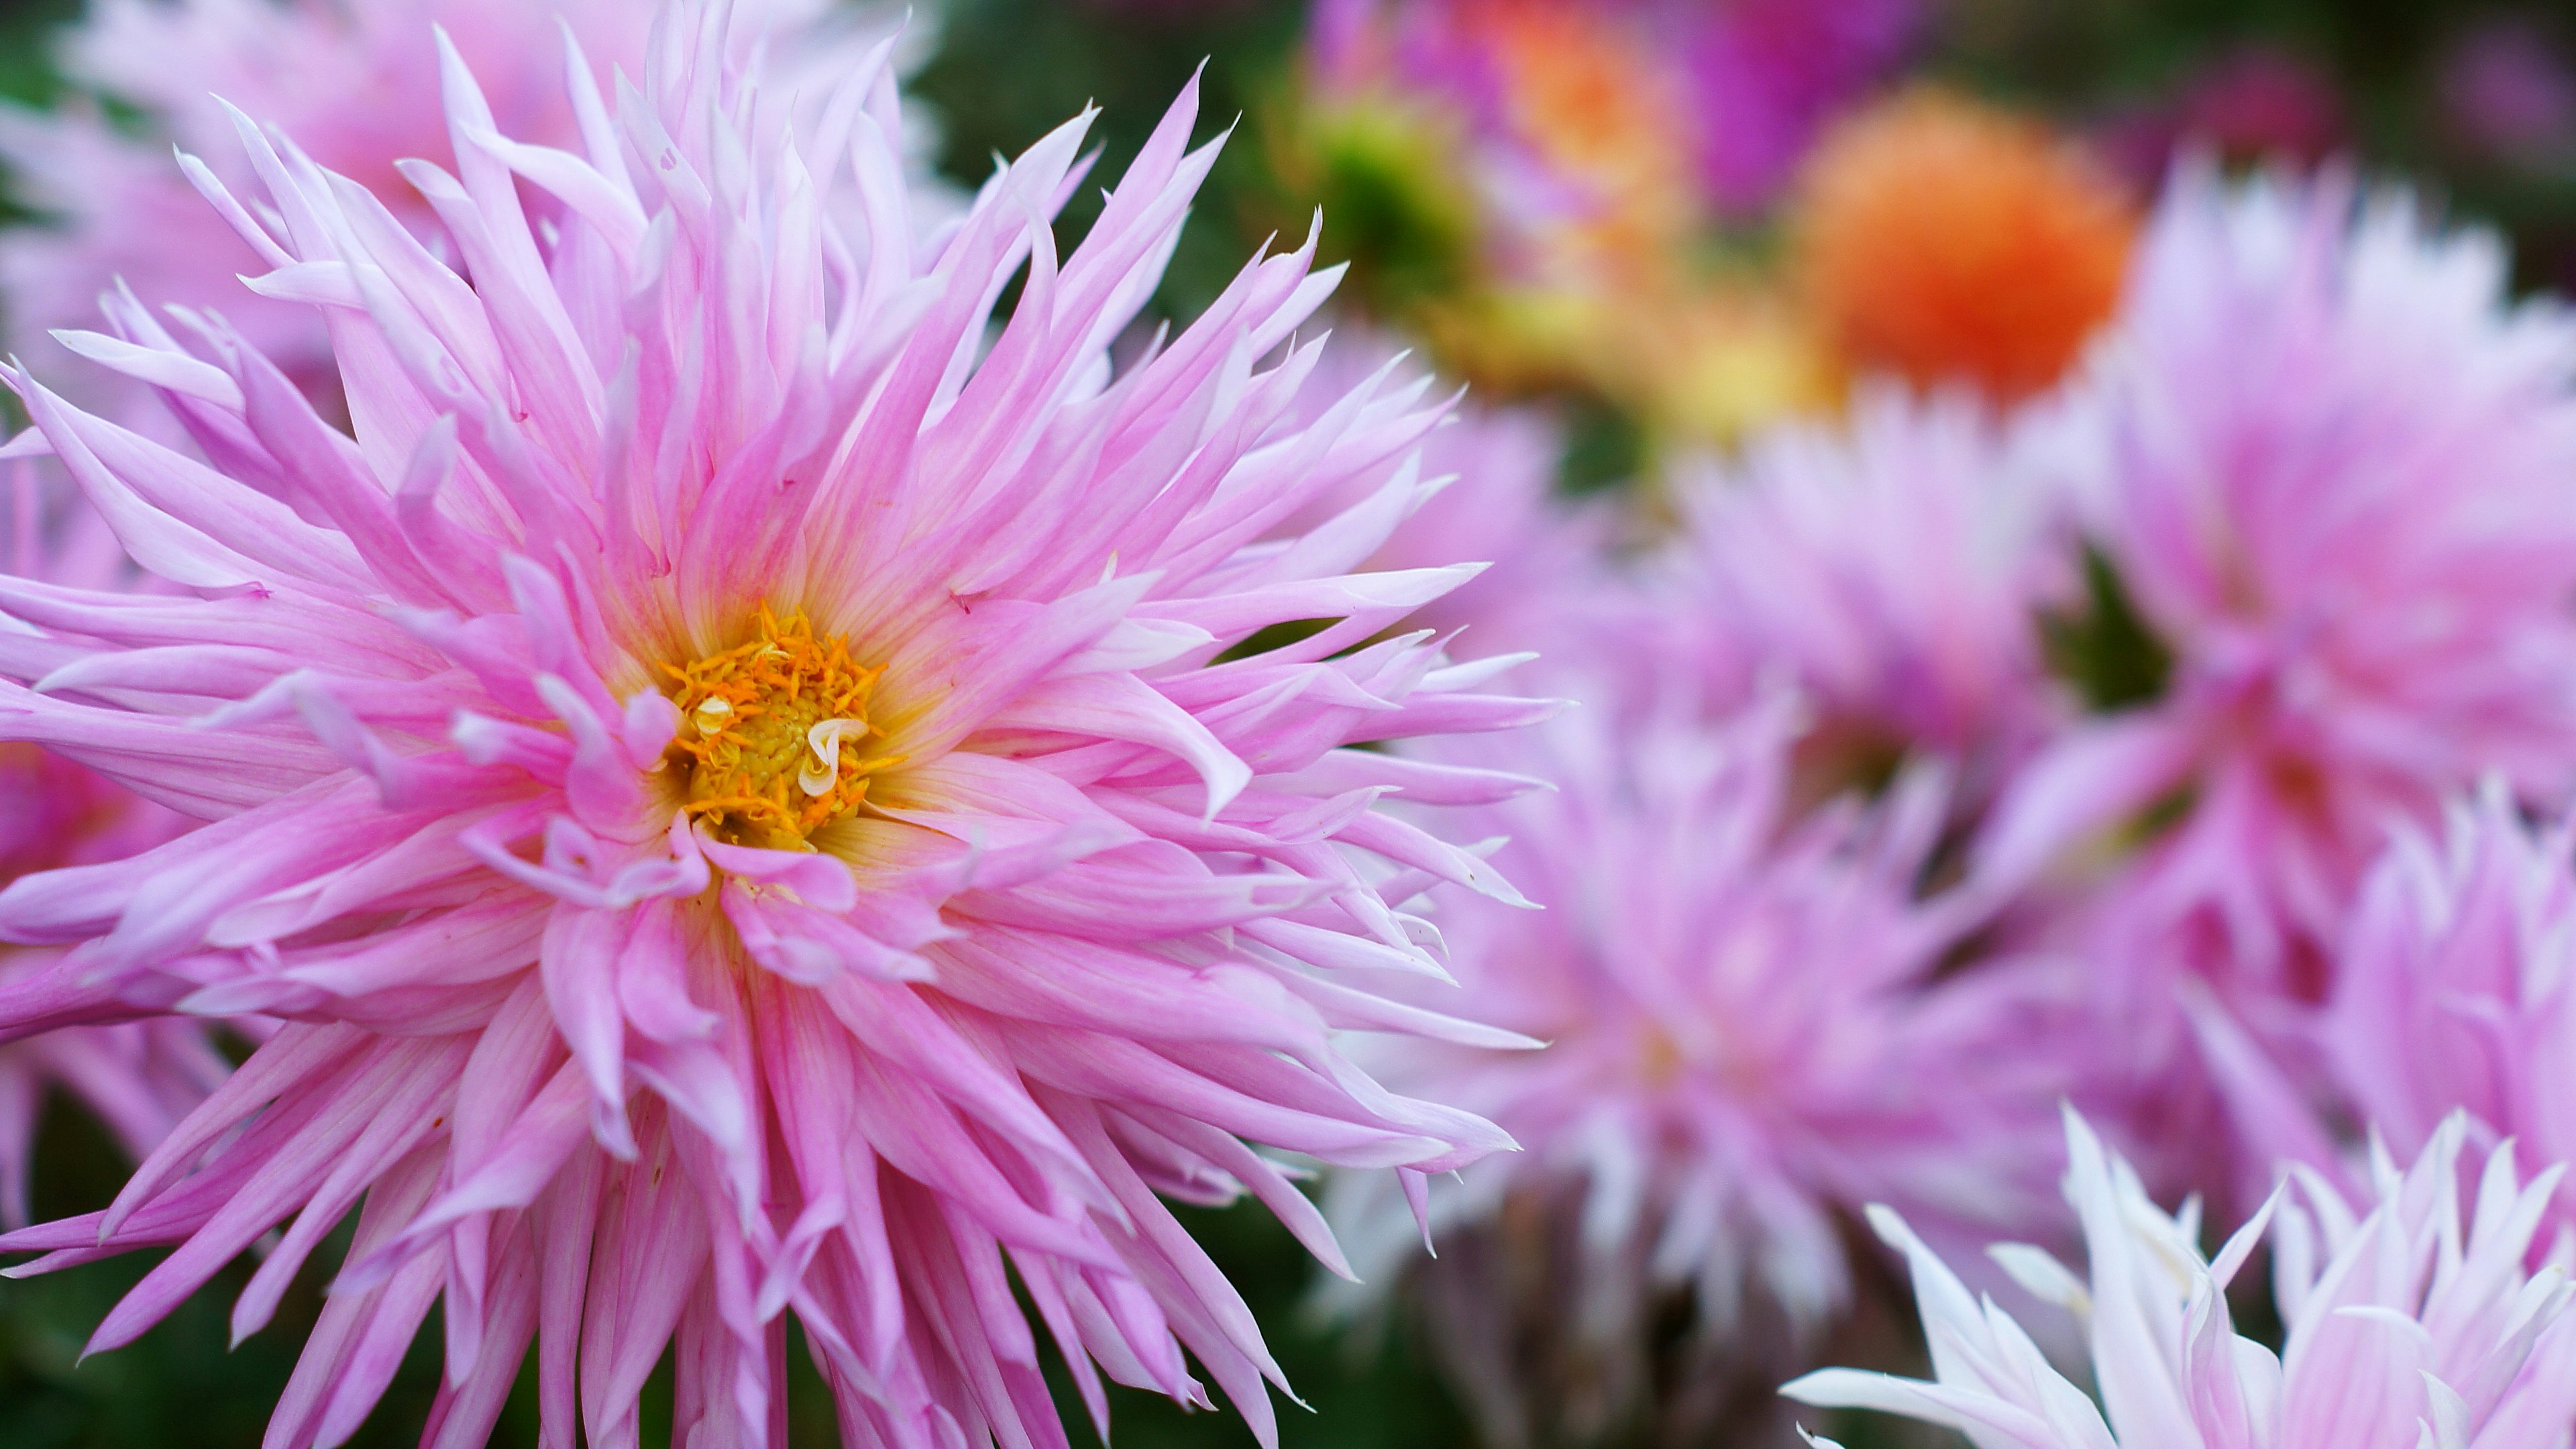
x: 774, y: 735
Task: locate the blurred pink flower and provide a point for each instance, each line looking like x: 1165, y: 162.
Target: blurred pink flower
x: 1893, y: 567
x: 2411, y: 1322
x: 2456, y: 987
x: 727, y: 775
x: 2331, y: 473
x: 1754, y: 1026
x: 355, y: 84
x: 2507, y: 93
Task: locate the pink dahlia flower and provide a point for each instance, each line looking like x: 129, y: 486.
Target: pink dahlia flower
x: 1893, y: 566
x: 355, y: 83
x: 732, y: 778
x: 2411, y: 1323
x: 2332, y: 476
x: 2454, y: 987
x: 1751, y: 1031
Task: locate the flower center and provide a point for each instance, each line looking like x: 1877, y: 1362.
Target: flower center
x: 773, y: 735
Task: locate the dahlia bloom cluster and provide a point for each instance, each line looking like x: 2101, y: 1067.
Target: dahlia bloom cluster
x: 2325, y: 458
x: 1584, y: 197
x: 744, y: 743
x: 2410, y: 1317
x: 2316, y: 460
x: 1751, y: 1031
x: 1735, y: 92
x: 734, y: 774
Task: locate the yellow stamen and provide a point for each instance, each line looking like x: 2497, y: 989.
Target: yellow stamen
x: 774, y: 735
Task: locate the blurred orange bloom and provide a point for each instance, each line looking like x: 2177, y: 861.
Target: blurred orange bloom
x: 1939, y: 239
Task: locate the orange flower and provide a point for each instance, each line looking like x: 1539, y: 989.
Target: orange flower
x: 1942, y: 239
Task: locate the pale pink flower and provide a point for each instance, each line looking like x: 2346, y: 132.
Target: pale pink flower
x: 2411, y: 1321
x: 1751, y: 1032
x: 728, y: 776
x: 1893, y: 566
x: 2332, y: 475
x: 354, y: 83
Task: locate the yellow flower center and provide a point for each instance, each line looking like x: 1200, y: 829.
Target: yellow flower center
x: 774, y: 735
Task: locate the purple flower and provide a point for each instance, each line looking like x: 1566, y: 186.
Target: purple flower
x: 2331, y: 473
x: 1893, y: 567
x: 1750, y: 1031
x: 732, y: 775
x: 2411, y: 1322
x: 2507, y: 93
x: 1766, y: 76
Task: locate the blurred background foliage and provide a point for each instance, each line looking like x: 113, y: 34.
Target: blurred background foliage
x: 2359, y: 77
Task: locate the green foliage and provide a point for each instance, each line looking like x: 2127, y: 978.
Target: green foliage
x: 1365, y: 1388
x: 1008, y: 71
x: 1386, y: 184
x: 2103, y: 647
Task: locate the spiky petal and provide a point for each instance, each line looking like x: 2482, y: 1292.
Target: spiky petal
x: 2410, y: 1320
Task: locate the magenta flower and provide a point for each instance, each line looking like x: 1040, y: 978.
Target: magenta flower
x: 2252, y: 103
x: 1767, y: 76
x: 1749, y: 1033
x: 355, y: 84
x: 2411, y: 1322
x: 2332, y: 476
x: 729, y: 775
x: 1894, y: 567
